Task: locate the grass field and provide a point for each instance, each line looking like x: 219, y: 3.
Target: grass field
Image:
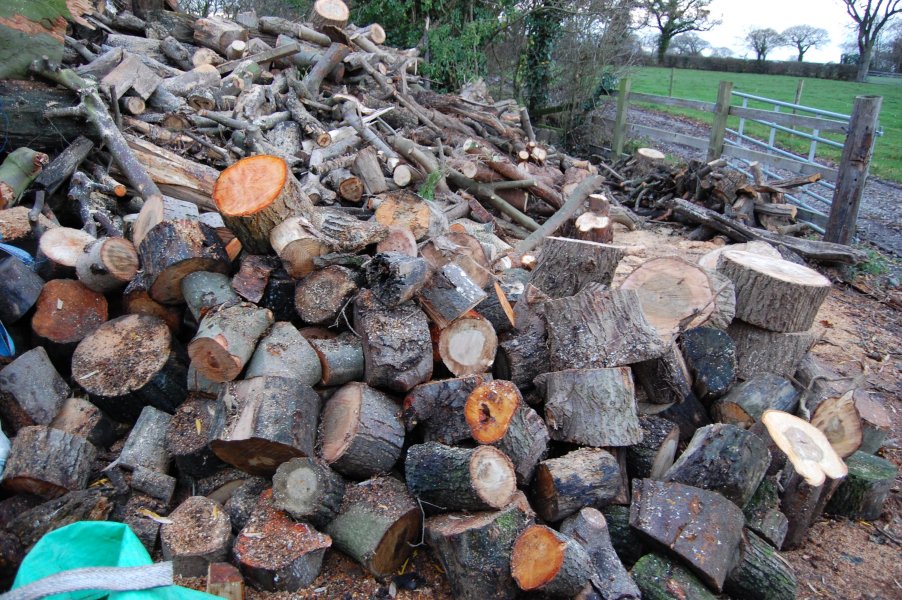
x: 835, y: 96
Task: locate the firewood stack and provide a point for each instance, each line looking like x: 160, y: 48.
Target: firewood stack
x: 311, y: 322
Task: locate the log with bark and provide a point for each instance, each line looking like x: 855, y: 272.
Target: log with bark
x: 197, y: 535
x: 550, y: 562
x: 584, y: 477
x: 32, y: 392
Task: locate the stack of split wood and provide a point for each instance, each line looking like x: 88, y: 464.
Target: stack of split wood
x: 297, y: 353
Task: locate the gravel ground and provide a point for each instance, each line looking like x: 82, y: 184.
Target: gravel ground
x: 877, y: 219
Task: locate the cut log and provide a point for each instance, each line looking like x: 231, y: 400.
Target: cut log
x: 18, y: 170
x: 523, y: 352
x: 308, y: 490
x: 226, y: 338
x: 361, y: 433
x: 610, y: 580
x: 93, y: 504
x: 629, y: 544
x: 405, y: 209
x: 762, y: 351
x: 762, y: 513
x: 130, y: 362
x: 474, y: 550
x: 378, y: 525
x: 689, y: 415
x: 172, y: 250
x: 875, y: 423
x: 198, y: 535
x: 47, y: 462
x: 653, y: 455
x: 397, y: 347
x: 600, y: 329
x: 660, y: 578
x: 547, y: 561
x: 462, y: 249
x: 777, y: 295
x: 366, y: 166
x: 710, y: 357
x: 244, y: 499
x: 802, y: 503
x: 395, y: 278
x: 341, y: 358
x: 321, y: 296
x: 665, y: 379
x: 725, y: 459
x: 31, y: 391
x: 567, y: 266
x: 468, y: 345
x: 255, y: 195
x: 20, y: 288
x: 326, y: 13
x: 297, y: 246
x: 107, y: 264
x: 218, y: 33
x: 253, y: 276
x: 137, y: 301
x: 746, y: 402
x: 674, y: 293
x: 437, y: 408
x: 204, y: 291
x: 864, y: 492
x: 66, y: 312
x: 703, y: 528
x: 709, y: 261
x: 479, y: 478
x: 489, y: 409
x: 196, y: 423
x: 591, y: 407
x: 145, y: 446
x: 449, y: 294
x: 59, y: 249
x: 838, y: 418
x: 274, y: 419
x: 80, y: 417
x: 225, y: 581
x: 584, y: 477
x: 275, y: 553
x: 283, y: 352
x: 760, y: 573
x: 525, y: 442
x: 400, y: 240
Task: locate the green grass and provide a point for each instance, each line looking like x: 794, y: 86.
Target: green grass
x: 835, y: 96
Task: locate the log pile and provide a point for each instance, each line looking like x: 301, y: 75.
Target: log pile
x: 313, y: 321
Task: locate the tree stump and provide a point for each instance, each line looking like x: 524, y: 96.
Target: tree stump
x: 196, y: 423
x: 31, y: 391
x: 107, y: 264
x: 591, y: 407
x: 525, y: 442
x: 378, y: 524
x: 397, y: 347
x: 283, y: 352
x: 776, y: 295
x: 760, y: 573
x: 665, y: 379
x: 725, y: 459
x: 274, y: 420
x: 479, y: 478
x: 275, y: 553
x: 130, y: 362
x: 341, y: 358
x: 172, y: 250
x: 308, y: 490
x: 361, y: 433
x: 474, y: 549
x: 610, y: 580
x: 599, y: 329
x: 226, y: 338
x: 547, y: 561
x: 659, y: 578
x: 146, y: 445
x: 703, y: 528
x: 863, y: 493
x: 437, y: 408
x: 321, y: 296
x: 198, y: 535
x: 20, y: 288
x: 66, y: 312
x: 584, y: 477
x: 710, y: 357
x: 762, y: 351
x: 747, y: 401
x: 468, y: 345
x: 654, y: 453
x: 47, y: 462
x: 489, y: 409
x: 256, y: 194
x: 204, y: 291
x: 567, y: 266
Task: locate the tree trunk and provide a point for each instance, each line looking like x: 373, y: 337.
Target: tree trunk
x: 864, y: 63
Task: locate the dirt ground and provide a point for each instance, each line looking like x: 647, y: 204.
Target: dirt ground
x: 851, y: 560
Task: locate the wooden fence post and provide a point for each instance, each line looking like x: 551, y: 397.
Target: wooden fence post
x: 670, y: 87
x: 719, y: 126
x: 620, y: 121
x: 853, y: 169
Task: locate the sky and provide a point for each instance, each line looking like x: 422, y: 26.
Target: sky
x: 739, y: 16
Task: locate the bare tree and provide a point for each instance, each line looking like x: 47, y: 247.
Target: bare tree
x: 721, y: 52
x: 805, y: 37
x: 689, y: 44
x: 673, y: 17
x: 870, y: 17
x: 762, y: 41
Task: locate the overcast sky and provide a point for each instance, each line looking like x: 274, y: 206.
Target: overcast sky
x: 739, y: 16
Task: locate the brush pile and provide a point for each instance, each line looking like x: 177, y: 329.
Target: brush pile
x: 280, y: 300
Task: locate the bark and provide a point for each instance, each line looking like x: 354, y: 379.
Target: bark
x: 47, y: 462
x: 567, y: 266
x: 584, y: 477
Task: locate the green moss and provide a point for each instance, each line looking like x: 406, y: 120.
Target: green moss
x: 35, y: 10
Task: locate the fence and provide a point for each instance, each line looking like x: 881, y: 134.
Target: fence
x: 844, y: 186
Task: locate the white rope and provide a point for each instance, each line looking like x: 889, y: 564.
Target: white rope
x: 116, y: 579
